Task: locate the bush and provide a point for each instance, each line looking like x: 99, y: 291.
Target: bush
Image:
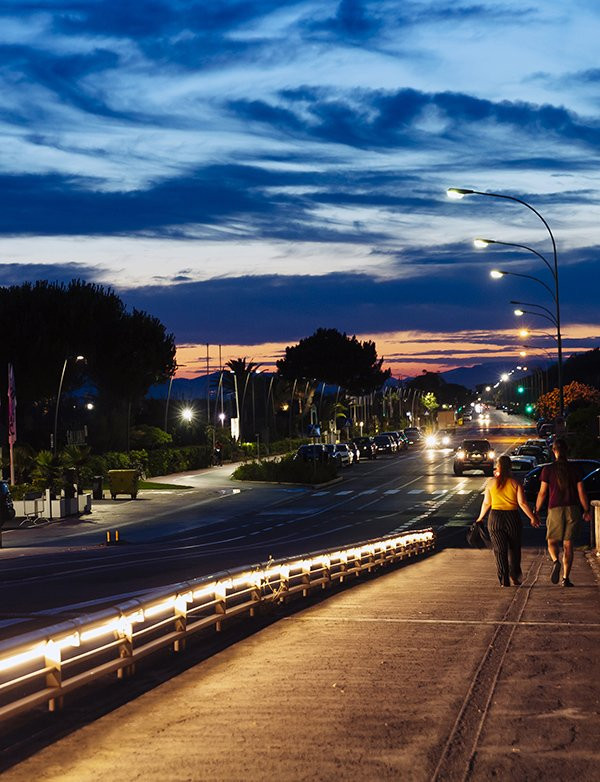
x: 286, y: 470
x: 149, y: 437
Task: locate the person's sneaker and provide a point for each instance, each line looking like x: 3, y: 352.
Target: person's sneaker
x: 554, y: 575
x: 566, y: 583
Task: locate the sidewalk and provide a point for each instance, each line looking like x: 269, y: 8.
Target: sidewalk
x: 428, y: 672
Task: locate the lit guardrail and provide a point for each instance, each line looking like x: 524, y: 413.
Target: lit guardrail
x: 44, y: 665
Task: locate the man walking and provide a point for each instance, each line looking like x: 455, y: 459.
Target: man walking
x: 561, y: 483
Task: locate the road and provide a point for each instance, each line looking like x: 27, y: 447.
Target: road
x: 60, y: 570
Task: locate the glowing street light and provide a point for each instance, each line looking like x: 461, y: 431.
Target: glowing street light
x: 187, y: 414
x: 458, y: 193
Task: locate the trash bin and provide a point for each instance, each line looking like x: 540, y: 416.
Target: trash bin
x: 97, y: 492
x: 123, y: 482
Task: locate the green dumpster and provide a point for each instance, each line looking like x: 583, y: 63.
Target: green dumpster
x: 123, y: 482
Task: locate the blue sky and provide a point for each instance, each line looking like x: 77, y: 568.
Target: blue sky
x: 250, y: 171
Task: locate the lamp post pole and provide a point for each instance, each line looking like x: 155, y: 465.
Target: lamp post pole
x: 459, y: 193
x: 60, y: 385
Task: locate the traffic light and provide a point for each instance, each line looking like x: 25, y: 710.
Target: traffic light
x: 520, y: 389
x: 529, y: 408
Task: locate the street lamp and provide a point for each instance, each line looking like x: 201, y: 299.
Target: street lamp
x: 187, y: 415
x: 60, y: 385
x: 459, y: 193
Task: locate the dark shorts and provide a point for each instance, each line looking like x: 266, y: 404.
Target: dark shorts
x: 562, y: 523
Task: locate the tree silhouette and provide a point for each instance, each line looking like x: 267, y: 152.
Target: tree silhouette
x: 333, y: 357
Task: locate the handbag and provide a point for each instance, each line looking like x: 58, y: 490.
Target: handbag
x: 478, y: 537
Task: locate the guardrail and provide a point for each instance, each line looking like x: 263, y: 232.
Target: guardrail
x: 44, y: 665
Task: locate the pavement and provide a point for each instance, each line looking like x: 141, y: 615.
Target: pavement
x: 427, y: 672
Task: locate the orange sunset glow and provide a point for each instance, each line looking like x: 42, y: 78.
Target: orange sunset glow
x: 406, y: 353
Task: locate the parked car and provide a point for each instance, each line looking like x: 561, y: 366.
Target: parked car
x: 7, y: 511
x: 474, y: 455
x: 591, y: 484
x: 355, y: 450
x: 404, y: 439
x: 385, y: 443
x: 309, y: 453
x: 414, y: 435
x: 340, y: 456
x: 521, y: 465
x: 366, y: 447
x: 345, y: 447
x: 531, y: 482
x: 401, y: 442
x: 540, y: 455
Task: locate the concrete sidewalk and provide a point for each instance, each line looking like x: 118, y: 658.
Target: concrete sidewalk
x: 431, y: 671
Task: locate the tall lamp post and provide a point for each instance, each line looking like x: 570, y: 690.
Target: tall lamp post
x: 60, y: 385
x: 459, y: 193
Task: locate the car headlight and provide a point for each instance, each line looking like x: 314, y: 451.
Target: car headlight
x: 445, y: 440
x: 460, y: 454
x: 491, y: 454
x: 430, y: 441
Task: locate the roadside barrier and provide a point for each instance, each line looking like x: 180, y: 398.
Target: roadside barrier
x: 44, y: 665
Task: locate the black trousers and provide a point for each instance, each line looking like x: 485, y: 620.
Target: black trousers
x: 506, y: 529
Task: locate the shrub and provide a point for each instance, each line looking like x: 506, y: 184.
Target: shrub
x: 286, y: 470
x: 149, y: 437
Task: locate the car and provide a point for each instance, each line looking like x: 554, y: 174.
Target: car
x: 540, y: 455
x: 366, y: 447
x: 404, y: 439
x: 7, y: 510
x: 350, y: 451
x: 521, y: 465
x: 340, y: 456
x: 474, y: 455
x: 354, y: 449
x: 531, y: 481
x: 445, y: 437
x: 385, y: 443
x: 591, y: 484
x: 401, y: 442
x: 432, y: 440
x: 309, y: 453
x: 414, y: 435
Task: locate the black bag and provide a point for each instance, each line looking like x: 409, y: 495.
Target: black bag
x: 478, y: 537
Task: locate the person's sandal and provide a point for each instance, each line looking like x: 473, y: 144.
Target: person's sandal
x: 555, y: 574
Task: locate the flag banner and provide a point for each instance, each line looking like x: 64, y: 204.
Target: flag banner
x: 12, y: 406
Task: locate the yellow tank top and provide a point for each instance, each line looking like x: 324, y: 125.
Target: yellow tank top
x: 504, y: 498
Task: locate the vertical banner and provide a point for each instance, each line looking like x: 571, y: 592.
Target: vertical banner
x: 12, y: 419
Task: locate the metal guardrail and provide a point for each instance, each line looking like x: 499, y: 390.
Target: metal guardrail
x: 44, y: 665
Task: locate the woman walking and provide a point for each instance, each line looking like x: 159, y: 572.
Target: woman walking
x: 562, y: 484
x: 503, y: 497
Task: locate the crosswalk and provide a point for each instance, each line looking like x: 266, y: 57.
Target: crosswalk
x: 386, y: 492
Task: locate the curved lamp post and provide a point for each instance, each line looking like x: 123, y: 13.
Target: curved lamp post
x: 60, y: 385
x: 459, y: 193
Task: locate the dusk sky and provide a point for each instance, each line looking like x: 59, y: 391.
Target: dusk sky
x: 249, y: 171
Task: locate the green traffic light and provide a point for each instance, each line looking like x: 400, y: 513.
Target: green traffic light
x: 520, y: 389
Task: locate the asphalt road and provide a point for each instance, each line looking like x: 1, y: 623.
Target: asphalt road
x: 56, y: 571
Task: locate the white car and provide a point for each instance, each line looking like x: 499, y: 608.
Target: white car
x: 338, y: 454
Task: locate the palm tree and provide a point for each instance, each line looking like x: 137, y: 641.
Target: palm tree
x: 242, y: 369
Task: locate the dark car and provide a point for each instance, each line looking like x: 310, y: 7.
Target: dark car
x: 366, y: 447
x: 385, y: 443
x: 310, y: 453
x: 474, y: 455
x: 7, y: 511
x: 531, y: 482
x: 591, y: 484
x: 414, y: 435
x: 401, y: 442
x: 540, y: 455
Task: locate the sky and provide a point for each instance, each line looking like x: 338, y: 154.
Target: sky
x: 249, y: 171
